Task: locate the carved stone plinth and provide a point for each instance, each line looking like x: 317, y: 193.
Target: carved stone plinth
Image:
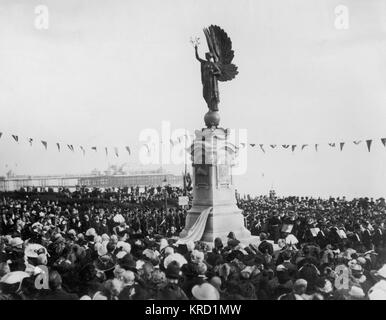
x: 213, y: 156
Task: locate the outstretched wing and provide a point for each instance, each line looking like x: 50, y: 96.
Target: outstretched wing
x: 220, y: 45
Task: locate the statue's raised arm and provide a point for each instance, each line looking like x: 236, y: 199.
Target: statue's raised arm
x: 218, y: 66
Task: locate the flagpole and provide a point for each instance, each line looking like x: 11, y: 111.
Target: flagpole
x: 186, y: 166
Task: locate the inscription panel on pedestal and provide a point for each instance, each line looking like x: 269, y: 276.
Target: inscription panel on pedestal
x: 223, y: 175
x: 202, y: 178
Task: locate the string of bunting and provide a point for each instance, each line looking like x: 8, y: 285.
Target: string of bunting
x: 263, y: 147
x: 316, y: 145
x: 71, y: 147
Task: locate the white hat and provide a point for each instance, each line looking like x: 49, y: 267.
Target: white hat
x: 163, y: 244
x: 125, y: 246
x: 168, y: 251
x: 102, y: 249
x: 205, y: 291
x: 175, y: 257
x: 91, y: 232
x: 378, y: 291
x: 118, y: 218
x: 121, y: 254
x: 381, y: 272
x: 14, y: 277
x: 33, y: 250
x: 291, y: 239
x: 197, y: 256
x: 356, y: 292
x: 15, y: 242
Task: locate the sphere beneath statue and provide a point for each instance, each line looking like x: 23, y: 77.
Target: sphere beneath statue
x: 212, y: 119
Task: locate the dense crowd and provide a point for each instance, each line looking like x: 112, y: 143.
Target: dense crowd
x: 123, y: 244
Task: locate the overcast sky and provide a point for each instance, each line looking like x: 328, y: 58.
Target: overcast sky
x: 105, y: 70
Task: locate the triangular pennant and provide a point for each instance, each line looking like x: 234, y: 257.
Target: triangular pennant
x: 273, y: 146
x: 94, y: 148
x: 285, y: 146
x: 16, y: 138
x: 44, y: 143
x: 383, y: 140
x: 84, y: 151
x: 303, y: 146
x: 357, y: 142
x: 262, y: 147
x: 332, y: 144
x: 116, y: 151
x: 107, y: 152
x: 341, y: 145
x: 242, y: 144
x: 71, y: 147
x: 293, y: 147
x: 368, y: 142
x: 252, y: 144
x: 30, y: 140
x: 172, y: 142
x: 1, y: 134
x: 316, y: 147
x: 58, y: 146
x: 128, y: 149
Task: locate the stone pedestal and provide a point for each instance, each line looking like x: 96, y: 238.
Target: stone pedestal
x: 213, y: 156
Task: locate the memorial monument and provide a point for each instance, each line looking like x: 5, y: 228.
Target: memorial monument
x: 214, y: 211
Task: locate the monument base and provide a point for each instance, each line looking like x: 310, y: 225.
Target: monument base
x: 213, y: 156
x: 222, y: 220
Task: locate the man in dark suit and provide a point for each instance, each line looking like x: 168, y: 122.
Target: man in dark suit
x: 265, y: 246
x: 56, y: 291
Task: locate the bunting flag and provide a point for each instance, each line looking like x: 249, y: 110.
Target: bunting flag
x: 107, y: 152
x: 285, y: 146
x: 58, y: 146
x: 84, y: 151
x: 252, y: 144
x: 303, y: 146
x: 316, y: 147
x: 357, y: 142
x: 71, y: 147
x: 1, y: 134
x: 332, y: 145
x: 368, y: 142
x: 30, y: 140
x: 171, y: 142
x: 341, y: 146
x: 44, y: 143
x: 94, y: 148
x: 128, y: 150
x: 293, y: 147
x: 15, y: 137
x: 262, y: 148
x: 242, y: 144
x: 383, y: 140
x: 273, y: 146
x: 116, y: 151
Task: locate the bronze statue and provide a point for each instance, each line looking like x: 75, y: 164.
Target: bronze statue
x: 217, y: 67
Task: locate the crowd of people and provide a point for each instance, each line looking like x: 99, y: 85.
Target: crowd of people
x: 123, y: 244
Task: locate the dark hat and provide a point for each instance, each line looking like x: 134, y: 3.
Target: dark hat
x: 233, y: 243
x: 105, y: 263
x: 127, y: 262
x: 171, y: 292
x: 231, y: 235
x: 173, y: 270
x: 182, y: 249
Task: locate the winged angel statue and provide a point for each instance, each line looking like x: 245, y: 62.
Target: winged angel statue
x: 218, y: 64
